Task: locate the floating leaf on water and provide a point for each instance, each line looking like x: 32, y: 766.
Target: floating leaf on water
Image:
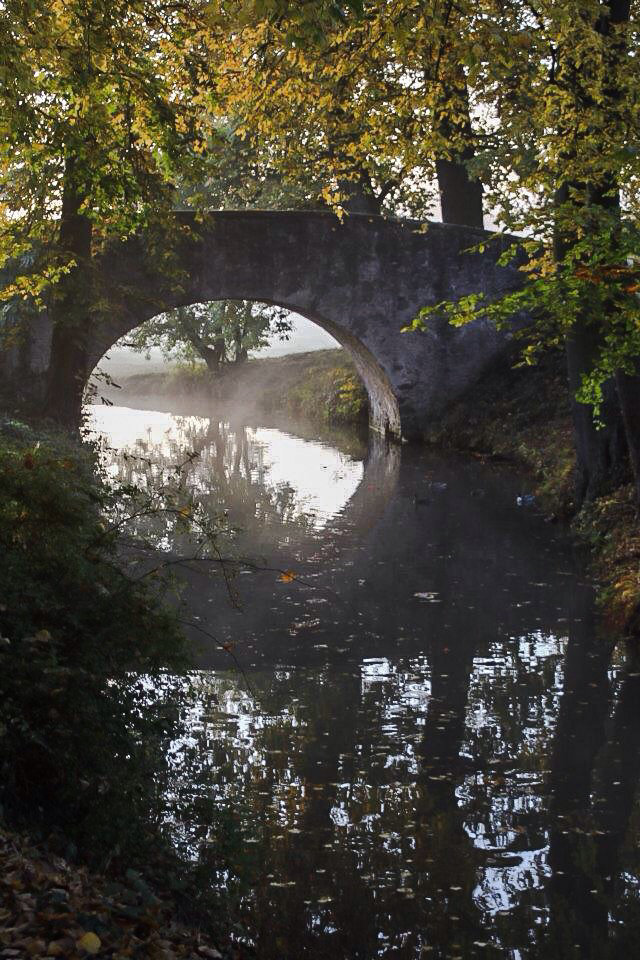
x: 287, y: 576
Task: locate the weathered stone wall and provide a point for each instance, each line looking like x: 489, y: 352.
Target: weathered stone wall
x: 361, y: 280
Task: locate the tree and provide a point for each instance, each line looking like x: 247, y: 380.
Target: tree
x: 220, y: 333
x: 537, y: 101
x: 103, y: 104
x: 371, y: 96
x: 558, y: 84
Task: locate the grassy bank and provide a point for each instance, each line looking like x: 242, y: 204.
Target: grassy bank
x: 321, y: 386
x: 523, y: 415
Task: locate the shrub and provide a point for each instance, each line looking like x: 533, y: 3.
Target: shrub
x: 85, y: 652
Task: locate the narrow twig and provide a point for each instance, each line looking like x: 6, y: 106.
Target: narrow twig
x: 226, y: 648
x: 239, y: 562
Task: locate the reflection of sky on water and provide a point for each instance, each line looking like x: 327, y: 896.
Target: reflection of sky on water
x: 404, y: 778
x: 322, y: 479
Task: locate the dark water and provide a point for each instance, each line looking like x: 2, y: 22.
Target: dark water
x: 431, y: 752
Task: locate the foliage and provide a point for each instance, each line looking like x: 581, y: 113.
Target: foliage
x: 334, y: 395
x: 600, y: 271
x: 219, y: 333
x: 102, y: 100
x: 559, y: 86
x: 352, y: 97
x: 609, y: 526
x: 84, y: 719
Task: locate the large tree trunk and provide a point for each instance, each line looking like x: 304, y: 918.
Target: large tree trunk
x: 360, y: 196
x: 460, y: 195
x: 601, y: 449
x: 70, y: 312
x: 628, y: 387
x: 213, y: 356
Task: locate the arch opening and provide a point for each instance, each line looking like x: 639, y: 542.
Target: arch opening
x: 384, y: 413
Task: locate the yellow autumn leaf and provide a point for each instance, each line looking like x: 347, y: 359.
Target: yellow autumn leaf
x: 287, y: 576
x: 90, y: 943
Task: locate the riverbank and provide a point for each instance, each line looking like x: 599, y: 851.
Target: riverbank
x: 84, y: 739
x: 321, y: 386
x: 51, y: 908
x: 523, y: 415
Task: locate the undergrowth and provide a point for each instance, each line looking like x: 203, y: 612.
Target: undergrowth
x: 95, y: 671
x: 81, y: 737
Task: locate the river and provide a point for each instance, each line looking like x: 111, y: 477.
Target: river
x: 405, y: 737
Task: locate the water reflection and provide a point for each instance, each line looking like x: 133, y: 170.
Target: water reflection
x: 283, y: 475
x: 437, y: 755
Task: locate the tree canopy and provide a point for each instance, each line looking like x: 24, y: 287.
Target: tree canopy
x: 537, y: 101
x: 107, y: 100
x: 103, y: 106
x: 355, y: 97
x: 113, y: 113
x: 218, y: 333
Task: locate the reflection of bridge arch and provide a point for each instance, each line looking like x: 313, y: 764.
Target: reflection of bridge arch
x: 361, y: 281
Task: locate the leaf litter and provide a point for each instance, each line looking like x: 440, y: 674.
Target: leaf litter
x: 50, y: 908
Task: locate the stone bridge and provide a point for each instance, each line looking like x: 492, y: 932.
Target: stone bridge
x: 361, y: 280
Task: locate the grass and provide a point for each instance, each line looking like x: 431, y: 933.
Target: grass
x: 321, y: 386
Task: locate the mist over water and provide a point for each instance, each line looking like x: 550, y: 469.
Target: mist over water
x: 428, y: 751
x: 318, y: 478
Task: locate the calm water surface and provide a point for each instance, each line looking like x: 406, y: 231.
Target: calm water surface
x: 429, y: 752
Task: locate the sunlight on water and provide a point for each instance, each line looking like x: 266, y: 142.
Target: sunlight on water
x: 319, y: 478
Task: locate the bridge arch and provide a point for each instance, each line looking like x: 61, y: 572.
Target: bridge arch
x: 384, y: 412
x: 362, y: 280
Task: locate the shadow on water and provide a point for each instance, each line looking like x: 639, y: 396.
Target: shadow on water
x: 439, y: 755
